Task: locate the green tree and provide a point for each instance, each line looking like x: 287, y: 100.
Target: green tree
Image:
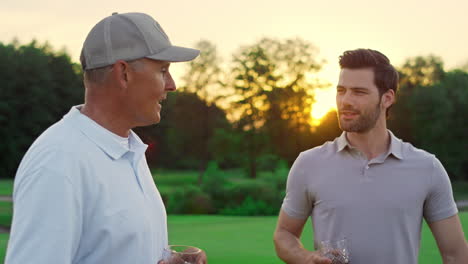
x: 185, y: 136
x: 204, y: 79
x: 430, y: 111
x: 253, y: 75
x: 39, y: 86
x: 204, y: 76
x: 273, y: 90
x: 439, y: 121
x: 421, y: 71
x: 416, y: 72
x: 288, y: 121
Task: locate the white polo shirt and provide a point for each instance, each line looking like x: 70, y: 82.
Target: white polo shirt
x: 80, y: 196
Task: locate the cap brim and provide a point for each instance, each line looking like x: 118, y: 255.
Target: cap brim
x: 175, y: 54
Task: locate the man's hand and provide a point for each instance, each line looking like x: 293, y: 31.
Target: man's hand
x: 288, y: 245
x: 315, y: 258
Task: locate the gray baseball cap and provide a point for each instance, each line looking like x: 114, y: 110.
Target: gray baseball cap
x: 130, y: 36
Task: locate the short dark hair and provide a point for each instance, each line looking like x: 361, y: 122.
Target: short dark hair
x: 385, y: 75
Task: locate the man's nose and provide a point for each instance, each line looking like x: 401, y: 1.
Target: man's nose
x: 345, y: 99
x: 170, y: 84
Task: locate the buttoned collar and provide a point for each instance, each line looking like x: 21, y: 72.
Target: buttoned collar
x: 395, y: 147
x: 102, y: 137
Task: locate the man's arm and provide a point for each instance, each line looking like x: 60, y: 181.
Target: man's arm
x: 288, y: 244
x: 450, y: 239
x: 46, y: 223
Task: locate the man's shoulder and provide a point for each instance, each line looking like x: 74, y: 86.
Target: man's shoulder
x: 417, y: 156
x: 411, y: 152
x: 60, y: 136
x: 61, y: 141
x: 323, y: 152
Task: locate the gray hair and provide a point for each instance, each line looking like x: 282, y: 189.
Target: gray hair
x: 99, y: 75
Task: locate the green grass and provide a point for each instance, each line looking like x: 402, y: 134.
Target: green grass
x: 5, y: 213
x: 6, y: 187
x: 3, y: 245
x: 233, y: 240
x: 226, y: 239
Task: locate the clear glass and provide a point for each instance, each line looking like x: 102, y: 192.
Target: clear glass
x: 180, y: 254
x: 337, y: 251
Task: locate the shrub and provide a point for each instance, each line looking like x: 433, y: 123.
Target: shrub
x: 268, y: 162
x: 189, y: 200
x: 251, y: 207
x: 214, y: 182
x: 280, y: 176
x: 250, y: 197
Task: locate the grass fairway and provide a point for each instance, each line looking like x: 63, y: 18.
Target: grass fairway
x: 248, y: 240
x: 3, y: 245
x: 227, y: 239
x: 5, y: 213
x: 6, y: 187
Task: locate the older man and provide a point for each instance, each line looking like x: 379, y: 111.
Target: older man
x: 83, y: 192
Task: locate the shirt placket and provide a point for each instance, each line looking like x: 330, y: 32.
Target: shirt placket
x: 369, y: 165
x: 135, y: 165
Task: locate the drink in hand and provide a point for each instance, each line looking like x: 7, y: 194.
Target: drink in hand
x: 336, y: 251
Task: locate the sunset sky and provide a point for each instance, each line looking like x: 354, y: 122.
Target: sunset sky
x: 400, y: 29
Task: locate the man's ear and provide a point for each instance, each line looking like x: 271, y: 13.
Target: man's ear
x: 120, y: 73
x: 388, y: 98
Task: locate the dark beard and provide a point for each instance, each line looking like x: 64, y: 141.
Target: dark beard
x: 364, y: 123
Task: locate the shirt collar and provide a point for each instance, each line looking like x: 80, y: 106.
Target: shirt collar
x: 101, y: 137
x: 395, y: 147
x: 342, y: 142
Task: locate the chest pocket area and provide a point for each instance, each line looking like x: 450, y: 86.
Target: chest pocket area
x: 123, y: 206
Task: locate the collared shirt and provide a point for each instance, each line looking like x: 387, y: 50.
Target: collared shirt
x: 81, y: 197
x: 377, y: 204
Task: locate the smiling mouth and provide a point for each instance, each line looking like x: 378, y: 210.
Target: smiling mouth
x: 347, y: 115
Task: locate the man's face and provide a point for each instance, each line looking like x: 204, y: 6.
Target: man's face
x: 148, y: 86
x: 358, y: 100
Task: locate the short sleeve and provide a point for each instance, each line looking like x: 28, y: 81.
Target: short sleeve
x: 297, y: 203
x: 46, y: 223
x: 439, y: 203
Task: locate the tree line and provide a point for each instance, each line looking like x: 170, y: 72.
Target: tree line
x: 250, y: 112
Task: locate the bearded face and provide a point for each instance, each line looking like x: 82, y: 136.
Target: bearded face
x: 358, y: 100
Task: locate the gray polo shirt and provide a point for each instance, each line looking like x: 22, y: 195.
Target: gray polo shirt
x: 378, y: 204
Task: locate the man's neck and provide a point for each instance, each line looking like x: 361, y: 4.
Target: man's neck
x: 372, y: 143
x: 105, y: 119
